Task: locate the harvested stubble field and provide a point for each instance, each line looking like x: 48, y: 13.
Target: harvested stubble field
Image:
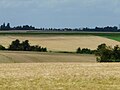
x: 60, y: 76
x: 61, y: 43
x: 37, y: 57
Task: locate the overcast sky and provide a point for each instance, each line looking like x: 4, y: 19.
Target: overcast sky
x: 60, y: 13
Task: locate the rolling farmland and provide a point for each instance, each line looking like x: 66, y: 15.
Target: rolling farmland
x: 61, y: 43
x: 58, y: 71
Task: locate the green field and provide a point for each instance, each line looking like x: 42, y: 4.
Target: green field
x: 114, y: 36
x: 117, y: 37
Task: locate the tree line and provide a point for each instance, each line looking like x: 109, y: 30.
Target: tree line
x: 104, y: 53
x: 85, y: 51
x: 27, y: 27
x: 23, y: 46
x: 24, y: 27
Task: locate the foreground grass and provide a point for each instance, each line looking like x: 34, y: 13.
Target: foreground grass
x: 60, y: 76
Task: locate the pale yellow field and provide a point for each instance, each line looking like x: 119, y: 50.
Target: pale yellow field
x: 61, y: 43
x: 36, y: 57
x: 60, y: 76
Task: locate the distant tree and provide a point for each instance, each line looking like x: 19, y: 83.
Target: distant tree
x: 25, y: 45
x: 116, y: 53
x: 3, y: 26
x: 15, y: 45
x: 8, y: 26
x: 44, y: 49
x: 102, y: 46
x: 78, y: 50
x: 85, y: 51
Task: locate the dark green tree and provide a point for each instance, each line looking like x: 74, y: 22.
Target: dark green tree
x: 86, y: 51
x: 79, y: 50
x: 2, y: 47
x: 15, y: 45
x: 8, y: 26
x: 3, y: 26
x: 108, y: 54
x: 25, y: 45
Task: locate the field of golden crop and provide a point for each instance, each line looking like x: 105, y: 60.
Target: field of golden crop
x: 60, y: 76
x: 61, y: 43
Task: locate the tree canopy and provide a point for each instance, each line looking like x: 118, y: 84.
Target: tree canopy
x: 25, y: 46
x: 108, y: 54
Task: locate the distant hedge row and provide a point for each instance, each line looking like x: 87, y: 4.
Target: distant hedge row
x: 85, y: 51
x: 24, y: 46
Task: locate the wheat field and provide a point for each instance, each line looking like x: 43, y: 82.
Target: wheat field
x: 60, y: 76
x: 61, y: 43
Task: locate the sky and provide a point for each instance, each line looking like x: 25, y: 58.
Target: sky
x: 60, y: 13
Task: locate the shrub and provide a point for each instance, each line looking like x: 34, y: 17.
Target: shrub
x: 108, y: 54
x: 85, y: 51
x: 15, y: 45
x: 25, y: 46
x: 78, y: 50
x: 2, y: 47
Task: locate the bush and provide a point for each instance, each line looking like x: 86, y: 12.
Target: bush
x: 85, y: 51
x: 15, y: 45
x: 78, y: 50
x: 25, y: 46
x: 108, y: 54
x: 2, y: 47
